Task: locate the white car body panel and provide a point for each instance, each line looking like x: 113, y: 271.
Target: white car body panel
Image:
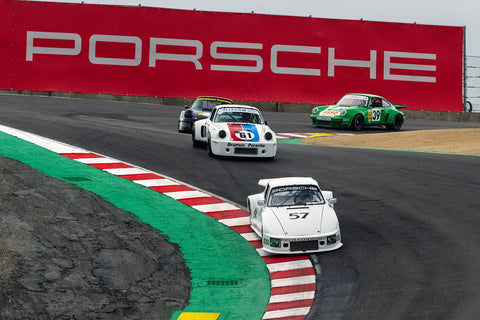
x: 295, y: 228
x: 242, y: 139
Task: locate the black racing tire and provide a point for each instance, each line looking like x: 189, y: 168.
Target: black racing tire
x: 195, y: 142
x: 209, y: 149
x: 357, y: 123
x: 396, y: 124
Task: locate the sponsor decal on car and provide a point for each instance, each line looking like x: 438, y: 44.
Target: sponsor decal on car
x: 244, y: 132
x: 244, y: 110
x: 329, y: 113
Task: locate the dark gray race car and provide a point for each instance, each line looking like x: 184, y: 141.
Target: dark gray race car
x: 200, y: 109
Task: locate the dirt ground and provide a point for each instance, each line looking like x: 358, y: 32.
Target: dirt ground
x: 462, y: 141
x: 65, y: 253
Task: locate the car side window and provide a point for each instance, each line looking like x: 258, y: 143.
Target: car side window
x: 376, y: 102
x: 385, y: 103
x: 213, y: 114
x: 265, y: 195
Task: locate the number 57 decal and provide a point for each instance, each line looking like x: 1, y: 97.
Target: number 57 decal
x: 298, y: 215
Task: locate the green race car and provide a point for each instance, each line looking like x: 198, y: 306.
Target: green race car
x: 356, y: 110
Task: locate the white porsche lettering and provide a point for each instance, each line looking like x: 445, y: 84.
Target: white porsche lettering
x: 69, y: 44
x: 371, y: 64
x: 69, y: 51
x: 92, y: 55
x: 284, y: 70
x: 388, y: 66
x: 154, y: 55
x: 230, y: 56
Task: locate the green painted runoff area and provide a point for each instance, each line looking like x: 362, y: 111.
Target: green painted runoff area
x: 228, y: 275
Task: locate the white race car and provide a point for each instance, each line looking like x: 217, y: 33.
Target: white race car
x: 235, y: 130
x: 293, y: 215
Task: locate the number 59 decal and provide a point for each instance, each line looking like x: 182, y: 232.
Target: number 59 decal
x: 298, y: 215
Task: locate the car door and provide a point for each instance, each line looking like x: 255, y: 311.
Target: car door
x: 376, y: 112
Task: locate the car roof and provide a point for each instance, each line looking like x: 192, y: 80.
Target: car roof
x: 214, y: 98
x: 235, y: 106
x: 287, y: 181
x: 366, y: 95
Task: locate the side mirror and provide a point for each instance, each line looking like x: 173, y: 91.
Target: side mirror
x: 261, y: 203
x: 188, y: 113
x: 332, y: 201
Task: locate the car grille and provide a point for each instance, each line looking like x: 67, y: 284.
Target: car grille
x: 246, y: 151
x: 303, y: 245
x: 323, y: 122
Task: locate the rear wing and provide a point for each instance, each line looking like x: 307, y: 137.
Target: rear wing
x: 399, y: 106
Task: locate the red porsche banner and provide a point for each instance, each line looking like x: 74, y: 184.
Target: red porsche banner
x: 179, y: 53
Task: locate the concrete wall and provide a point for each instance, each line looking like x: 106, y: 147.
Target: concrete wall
x: 264, y: 106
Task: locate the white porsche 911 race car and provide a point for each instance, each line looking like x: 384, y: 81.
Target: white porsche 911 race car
x: 235, y: 130
x: 293, y: 215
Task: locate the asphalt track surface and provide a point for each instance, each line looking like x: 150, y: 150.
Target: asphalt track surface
x: 409, y: 220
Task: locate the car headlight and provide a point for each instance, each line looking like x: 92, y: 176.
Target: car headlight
x: 274, y: 242
x: 343, y: 113
x: 314, y: 110
x: 222, y: 134
x: 332, y: 239
x: 268, y: 136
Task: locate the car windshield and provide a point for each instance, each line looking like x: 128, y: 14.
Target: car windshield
x: 207, y: 105
x: 353, y: 100
x: 238, y: 115
x: 294, y: 195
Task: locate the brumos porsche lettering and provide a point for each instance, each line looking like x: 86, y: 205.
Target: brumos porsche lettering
x: 70, y: 44
x: 246, y: 145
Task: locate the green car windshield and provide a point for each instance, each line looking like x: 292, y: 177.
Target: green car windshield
x: 353, y: 100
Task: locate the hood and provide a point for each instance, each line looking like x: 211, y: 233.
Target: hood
x: 199, y: 113
x: 300, y: 221
x: 334, y: 110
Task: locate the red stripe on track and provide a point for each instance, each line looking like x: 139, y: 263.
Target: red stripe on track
x: 200, y: 201
x: 257, y: 244
x: 280, y: 259
x: 141, y: 176
x: 292, y: 273
x: 228, y: 214
x: 115, y: 165
x: 292, y: 289
x: 172, y: 188
x: 82, y: 155
x: 242, y: 229
x: 290, y: 305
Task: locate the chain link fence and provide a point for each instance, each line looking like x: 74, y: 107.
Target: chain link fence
x: 472, y: 89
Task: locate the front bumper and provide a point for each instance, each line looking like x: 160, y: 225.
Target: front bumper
x: 185, y: 125
x: 244, y: 149
x: 331, y: 122
x: 304, y: 244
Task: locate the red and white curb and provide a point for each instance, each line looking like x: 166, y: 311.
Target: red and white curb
x: 292, y: 277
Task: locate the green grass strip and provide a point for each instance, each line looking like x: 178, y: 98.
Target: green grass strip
x: 291, y: 141
x: 228, y: 275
